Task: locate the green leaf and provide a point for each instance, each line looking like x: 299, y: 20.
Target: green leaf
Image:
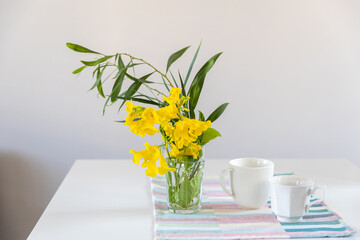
x: 185, y: 192
x: 98, y: 79
x: 198, y: 82
x: 99, y: 85
x: 120, y: 62
x: 118, y: 83
x: 143, y: 78
x: 191, y: 65
x: 209, y: 135
x: 201, y: 116
x: 159, y: 103
x: 78, y: 70
x: 100, y: 90
x: 182, y: 85
x: 140, y: 79
x: 145, y: 96
x: 142, y: 100
x: 196, y: 183
x: 130, y: 92
x: 135, y: 86
x: 78, y: 48
x: 172, y: 76
x: 105, y: 105
x: 117, y: 87
x: 175, y: 56
x: 95, y: 71
x: 217, y: 112
x: 192, y: 114
x: 165, y: 84
x: 119, y: 80
x: 96, y: 62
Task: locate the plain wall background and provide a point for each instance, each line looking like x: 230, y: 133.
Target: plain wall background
x: 290, y: 71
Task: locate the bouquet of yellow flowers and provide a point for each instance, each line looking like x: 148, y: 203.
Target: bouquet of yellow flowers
x: 184, y: 134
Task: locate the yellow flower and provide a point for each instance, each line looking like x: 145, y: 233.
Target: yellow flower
x: 165, y: 114
x: 193, y: 149
x: 188, y: 130
x: 174, y: 97
x: 151, y: 155
x: 175, y: 152
x: 141, y: 120
x: 184, y: 135
x: 168, y: 128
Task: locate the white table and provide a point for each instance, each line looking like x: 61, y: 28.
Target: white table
x: 110, y: 199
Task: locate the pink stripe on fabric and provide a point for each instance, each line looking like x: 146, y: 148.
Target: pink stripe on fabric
x: 215, y: 194
x: 159, y: 205
x: 260, y: 219
x: 240, y: 235
x: 159, y: 194
x: 207, y: 206
x: 212, y: 184
x: 245, y: 220
x: 163, y: 184
x: 188, y: 222
x: 219, y: 206
x: 159, y: 185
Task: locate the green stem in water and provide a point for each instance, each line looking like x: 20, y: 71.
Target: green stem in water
x: 194, y: 172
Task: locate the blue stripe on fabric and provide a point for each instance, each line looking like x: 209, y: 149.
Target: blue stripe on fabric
x: 282, y: 174
x: 317, y: 205
x: 316, y: 229
x: 318, y: 211
x: 334, y: 222
x: 318, y: 216
x: 320, y: 235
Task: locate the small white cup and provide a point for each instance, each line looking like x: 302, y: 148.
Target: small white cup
x: 249, y: 180
x: 290, y: 197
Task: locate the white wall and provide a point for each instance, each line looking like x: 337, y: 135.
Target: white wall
x: 290, y: 69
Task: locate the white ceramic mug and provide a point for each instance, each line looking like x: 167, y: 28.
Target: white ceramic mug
x: 249, y: 181
x: 290, y: 197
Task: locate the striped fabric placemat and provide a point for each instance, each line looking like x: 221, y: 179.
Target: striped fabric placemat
x: 221, y: 218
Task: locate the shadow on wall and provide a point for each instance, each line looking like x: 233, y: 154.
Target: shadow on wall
x: 23, y: 195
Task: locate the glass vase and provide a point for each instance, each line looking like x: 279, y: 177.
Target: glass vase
x: 184, y: 185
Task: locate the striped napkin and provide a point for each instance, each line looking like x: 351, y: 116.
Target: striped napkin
x: 221, y: 218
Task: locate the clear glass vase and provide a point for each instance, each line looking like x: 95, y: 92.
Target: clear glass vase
x: 184, y: 185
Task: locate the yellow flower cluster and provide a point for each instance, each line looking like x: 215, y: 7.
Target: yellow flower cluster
x: 185, y: 133
x: 151, y: 155
x: 179, y: 132
x: 141, y: 120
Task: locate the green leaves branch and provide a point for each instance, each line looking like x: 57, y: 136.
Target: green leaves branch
x: 132, y: 93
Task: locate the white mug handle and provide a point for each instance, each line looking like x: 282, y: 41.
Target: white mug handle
x: 312, y: 191
x: 222, y: 176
